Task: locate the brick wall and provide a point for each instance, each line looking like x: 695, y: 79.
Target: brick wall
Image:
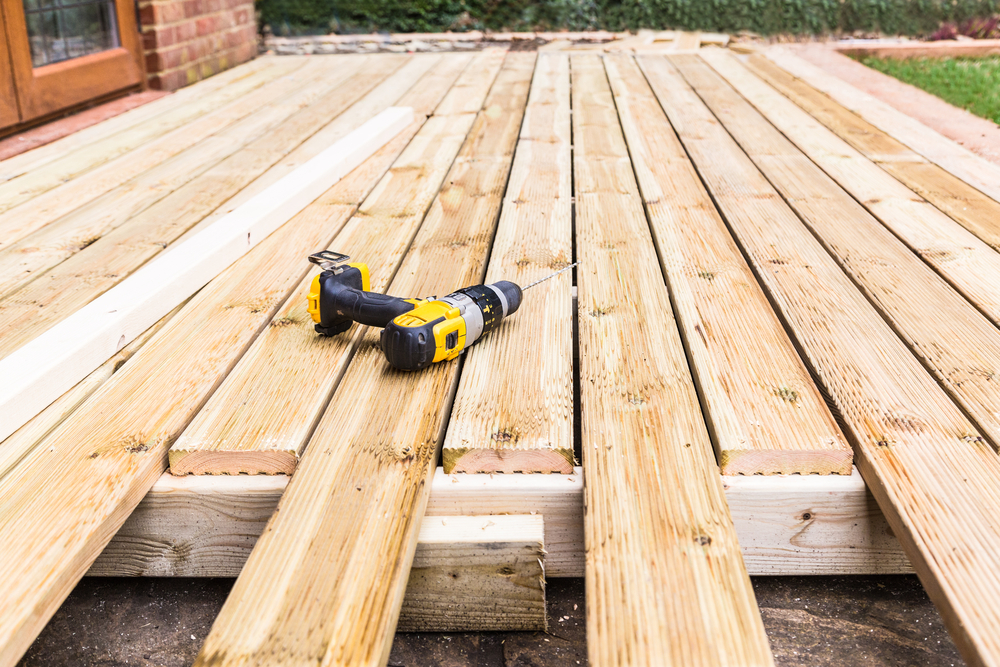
x: 188, y: 40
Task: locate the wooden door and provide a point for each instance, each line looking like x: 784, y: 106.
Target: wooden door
x: 67, y: 52
x: 8, y: 98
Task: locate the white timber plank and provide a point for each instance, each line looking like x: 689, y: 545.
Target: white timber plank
x: 518, y: 417
x: 91, y: 335
x: 325, y: 583
x: 960, y: 161
x: 666, y: 583
x: 68, y: 496
x: 206, y: 526
x: 242, y: 153
x: 931, y: 471
x: 764, y: 411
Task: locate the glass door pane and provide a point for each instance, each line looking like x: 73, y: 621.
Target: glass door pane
x: 59, y: 30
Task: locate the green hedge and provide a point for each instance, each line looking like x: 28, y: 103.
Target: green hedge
x: 766, y: 17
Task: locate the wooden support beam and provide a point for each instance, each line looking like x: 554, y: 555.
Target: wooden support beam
x: 67, y: 498
x: 962, y: 202
x: 475, y: 573
x: 518, y: 417
x: 921, y: 307
x: 932, y: 473
x: 963, y: 163
x: 206, y: 526
x: 55, y: 361
x: 325, y: 583
x: 762, y: 407
x: 261, y: 417
x: 249, y: 150
x: 666, y: 583
x: 230, y: 104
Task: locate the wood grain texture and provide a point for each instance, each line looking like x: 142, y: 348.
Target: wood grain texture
x: 476, y: 573
x: 930, y: 470
x: 21, y: 164
x: 326, y: 581
x: 666, y: 584
x: 963, y: 163
x: 206, y: 526
x: 260, y: 418
x: 108, y: 260
x: 31, y: 183
x: 969, y: 264
x: 953, y: 339
x: 514, y: 408
x: 65, y: 500
x: 233, y: 103
x: 762, y: 407
x: 162, y: 203
x: 962, y: 202
x: 21, y: 442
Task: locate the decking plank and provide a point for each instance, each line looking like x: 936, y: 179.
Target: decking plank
x: 325, y: 583
x: 260, y: 419
x: 64, y: 501
x: 245, y: 96
x: 960, y: 161
x: 666, y: 583
x: 930, y: 470
x: 518, y: 416
x: 959, y: 345
x: 762, y: 407
x: 962, y: 202
x: 39, y: 180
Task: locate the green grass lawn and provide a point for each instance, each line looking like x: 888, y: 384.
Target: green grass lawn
x: 970, y: 83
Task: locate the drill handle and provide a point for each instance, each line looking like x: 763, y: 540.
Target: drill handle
x: 371, y: 308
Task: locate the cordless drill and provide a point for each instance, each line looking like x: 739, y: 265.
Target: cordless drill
x: 417, y: 332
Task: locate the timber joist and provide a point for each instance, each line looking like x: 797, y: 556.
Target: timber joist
x: 778, y: 281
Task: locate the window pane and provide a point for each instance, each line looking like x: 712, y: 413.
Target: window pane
x: 62, y: 29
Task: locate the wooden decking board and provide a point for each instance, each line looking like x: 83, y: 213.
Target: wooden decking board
x: 421, y: 71
x: 131, y: 222
x: 965, y: 261
x: 32, y: 215
x: 517, y: 416
x: 666, y: 584
x: 34, y: 159
x: 351, y: 513
x: 963, y: 163
x: 20, y: 443
x: 931, y: 472
x: 953, y: 339
x: 261, y: 416
x: 93, y: 270
x: 65, y: 500
x: 965, y: 204
x: 84, y: 159
x: 763, y: 408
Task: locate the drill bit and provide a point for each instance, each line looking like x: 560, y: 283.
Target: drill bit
x: 551, y: 275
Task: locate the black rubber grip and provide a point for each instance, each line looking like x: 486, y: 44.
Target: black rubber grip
x: 409, y: 348
x: 342, y: 302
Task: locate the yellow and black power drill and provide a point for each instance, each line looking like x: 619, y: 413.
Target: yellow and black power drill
x: 417, y: 332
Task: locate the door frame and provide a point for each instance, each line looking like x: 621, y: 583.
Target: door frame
x: 9, y: 114
x: 45, y: 90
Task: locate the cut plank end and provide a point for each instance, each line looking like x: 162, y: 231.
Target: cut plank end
x: 256, y: 462
x: 785, y: 462
x: 488, y: 460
